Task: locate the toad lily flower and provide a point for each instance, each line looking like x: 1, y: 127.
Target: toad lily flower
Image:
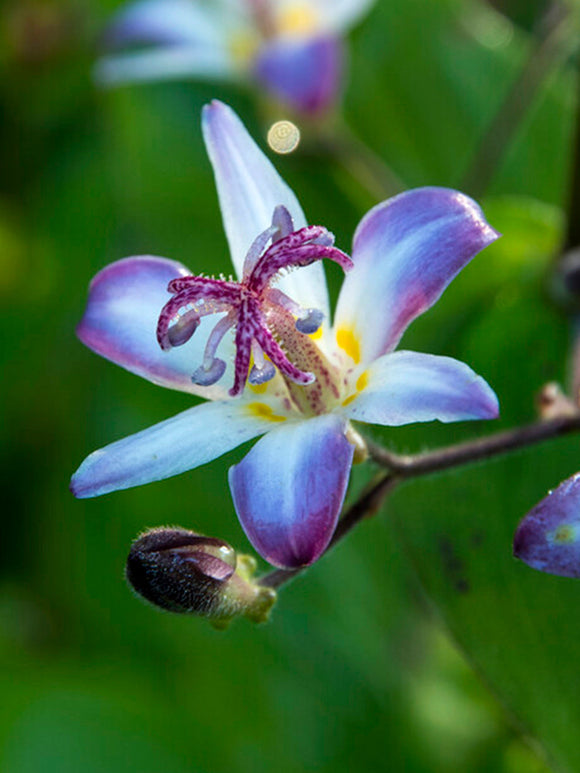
x: 285, y: 373
x: 292, y: 48
x: 548, y: 537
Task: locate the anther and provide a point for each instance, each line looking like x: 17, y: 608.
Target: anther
x: 206, y: 375
x: 310, y: 322
x: 260, y: 375
x: 185, y: 326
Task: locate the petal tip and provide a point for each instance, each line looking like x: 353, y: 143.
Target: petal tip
x: 289, y: 489
x: 77, y: 489
x: 548, y: 537
x: 490, y: 408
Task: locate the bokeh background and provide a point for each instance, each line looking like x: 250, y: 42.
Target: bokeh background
x: 419, y: 644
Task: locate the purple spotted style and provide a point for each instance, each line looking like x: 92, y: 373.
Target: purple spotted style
x: 251, y: 306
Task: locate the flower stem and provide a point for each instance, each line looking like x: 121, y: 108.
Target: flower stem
x: 402, y: 467
x: 554, y: 41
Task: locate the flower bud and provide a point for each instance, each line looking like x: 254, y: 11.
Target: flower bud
x: 181, y: 571
x: 553, y: 403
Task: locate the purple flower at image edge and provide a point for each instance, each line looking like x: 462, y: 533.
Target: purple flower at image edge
x: 548, y: 537
x: 294, y: 50
x: 262, y: 350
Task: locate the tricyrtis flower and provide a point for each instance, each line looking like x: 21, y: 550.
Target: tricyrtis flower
x: 548, y: 537
x: 263, y: 351
x: 291, y: 47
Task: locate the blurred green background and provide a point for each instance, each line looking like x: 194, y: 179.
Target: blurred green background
x: 419, y: 644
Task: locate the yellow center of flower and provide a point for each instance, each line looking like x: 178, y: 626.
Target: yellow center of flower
x: 361, y: 384
x: 263, y: 411
x: 348, y: 342
x: 297, y: 20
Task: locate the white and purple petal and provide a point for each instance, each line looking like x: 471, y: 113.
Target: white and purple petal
x: 548, y: 537
x: 165, y: 63
x: 120, y: 322
x: 408, y: 387
x: 249, y: 190
x: 305, y: 74
x: 405, y: 253
x: 160, y: 22
x: 188, y: 440
x: 289, y: 489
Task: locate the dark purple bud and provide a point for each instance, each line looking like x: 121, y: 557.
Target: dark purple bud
x: 181, y: 571
x: 548, y: 537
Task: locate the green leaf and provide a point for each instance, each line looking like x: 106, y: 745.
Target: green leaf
x: 518, y: 628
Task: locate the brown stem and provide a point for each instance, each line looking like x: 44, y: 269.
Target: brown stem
x: 474, y: 450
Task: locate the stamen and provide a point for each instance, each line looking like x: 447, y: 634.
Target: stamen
x: 262, y: 370
x: 298, y: 249
x: 215, y: 338
x: 308, y: 320
x: 186, y: 325
x: 282, y: 220
x: 257, y: 248
x: 212, y: 368
x: 258, y: 312
x: 309, y: 323
x: 209, y: 374
x: 262, y: 375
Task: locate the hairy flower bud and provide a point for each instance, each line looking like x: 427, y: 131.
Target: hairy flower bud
x: 181, y: 571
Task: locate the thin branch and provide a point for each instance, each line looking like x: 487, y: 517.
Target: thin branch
x: 474, y: 450
x: 553, y: 43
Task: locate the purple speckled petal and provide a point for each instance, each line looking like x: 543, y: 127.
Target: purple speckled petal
x: 289, y: 489
x: 249, y: 190
x: 120, y: 322
x: 304, y: 74
x: 181, y: 443
x: 548, y: 537
x: 405, y: 252
x: 407, y: 387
